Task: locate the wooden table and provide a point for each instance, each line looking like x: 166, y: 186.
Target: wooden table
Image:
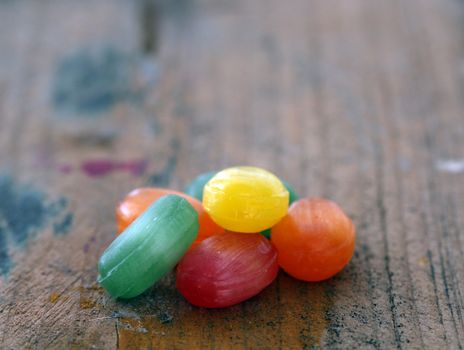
x: 359, y: 101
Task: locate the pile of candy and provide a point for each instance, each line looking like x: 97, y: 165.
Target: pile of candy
x: 218, y: 235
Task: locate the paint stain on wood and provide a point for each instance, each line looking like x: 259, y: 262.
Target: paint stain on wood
x: 63, y: 226
x: 423, y: 261
x: 90, y: 296
x: 102, y: 167
x: 5, y: 261
x: 22, y: 209
x: 91, y: 288
x: 54, y: 297
x: 451, y: 166
x: 93, y: 80
x: 87, y: 303
x: 24, y: 212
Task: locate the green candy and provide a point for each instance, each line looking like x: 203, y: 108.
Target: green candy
x: 293, y: 196
x: 266, y: 233
x: 195, y: 188
x: 149, y: 248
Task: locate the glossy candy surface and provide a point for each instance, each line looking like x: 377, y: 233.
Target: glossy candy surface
x: 293, y: 196
x: 141, y: 198
x: 227, y: 269
x: 149, y: 248
x: 195, y: 188
x: 245, y: 199
x: 315, y: 240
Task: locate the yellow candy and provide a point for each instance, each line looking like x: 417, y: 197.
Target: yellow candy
x: 245, y: 199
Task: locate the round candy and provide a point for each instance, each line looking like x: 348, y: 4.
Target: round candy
x: 315, y: 240
x: 195, y: 188
x: 227, y: 269
x: 293, y: 196
x: 140, y: 199
x: 149, y: 248
x: 245, y: 199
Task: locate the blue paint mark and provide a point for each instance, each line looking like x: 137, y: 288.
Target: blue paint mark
x: 91, y: 81
x: 64, y: 226
x: 28, y: 214
x: 24, y: 212
x: 5, y: 262
x: 55, y: 208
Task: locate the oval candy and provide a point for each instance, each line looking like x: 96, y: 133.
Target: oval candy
x: 227, y: 269
x: 140, y: 199
x: 245, y: 199
x: 149, y: 248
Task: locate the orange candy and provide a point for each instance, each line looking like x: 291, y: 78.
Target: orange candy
x: 315, y: 240
x: 140, y: 199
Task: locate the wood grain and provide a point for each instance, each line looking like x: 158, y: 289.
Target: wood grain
x: 359, y: 101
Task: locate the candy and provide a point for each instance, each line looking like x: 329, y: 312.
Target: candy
x: 195, y: 188
x: 140, y: 199
x: 245, y: 199
x: 266, y: 233
x: 315, y: 240
x: 293, y: 196
x: 149, y: 248
x: 227, y: 269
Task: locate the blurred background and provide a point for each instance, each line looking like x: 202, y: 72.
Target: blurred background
x: 358, y: 101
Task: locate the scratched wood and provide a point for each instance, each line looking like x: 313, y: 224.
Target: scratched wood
x: 359, y: 101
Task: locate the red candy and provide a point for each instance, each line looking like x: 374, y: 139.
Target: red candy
x: 227, y: 269
x: 315, y: 240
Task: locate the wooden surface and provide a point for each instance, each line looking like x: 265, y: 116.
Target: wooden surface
x: 359, y: 101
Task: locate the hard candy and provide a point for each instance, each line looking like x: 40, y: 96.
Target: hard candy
x: 293, y: 196
x: 245, y: 199
x: 149, y: 248
x: 140, y: 199
x: 227, y: 269
x: 315, y: 240
x: 195, y: 188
